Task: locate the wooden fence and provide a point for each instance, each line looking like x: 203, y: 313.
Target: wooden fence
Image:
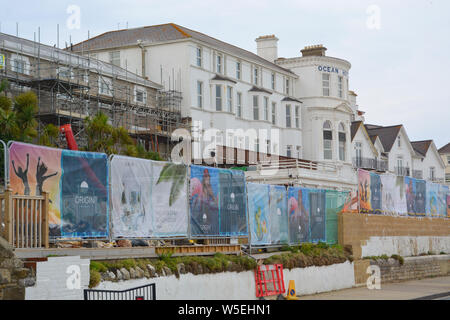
x: 24, y: 220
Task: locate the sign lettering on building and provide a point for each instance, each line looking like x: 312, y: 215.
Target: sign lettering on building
x: 332, y: 70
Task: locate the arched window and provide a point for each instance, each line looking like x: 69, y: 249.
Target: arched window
x: 342, y: 142
x: 327, y: 141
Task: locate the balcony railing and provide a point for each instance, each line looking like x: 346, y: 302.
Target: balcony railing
x: 370, y: 164
x: 402, y: 171
x: 418, y: 174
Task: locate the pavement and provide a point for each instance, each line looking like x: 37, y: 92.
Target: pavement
x: 426, y: 289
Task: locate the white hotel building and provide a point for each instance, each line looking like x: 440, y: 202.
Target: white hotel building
x: 224, y: 87
x: 307, y: 98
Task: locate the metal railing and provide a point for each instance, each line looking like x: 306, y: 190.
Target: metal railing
x: 147, y: 292
x: 24, y: 220
x: 297, y: 164
x: 402, y: 171
x: 370, y: 164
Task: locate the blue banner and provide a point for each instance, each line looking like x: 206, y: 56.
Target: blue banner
x: 258, y: 210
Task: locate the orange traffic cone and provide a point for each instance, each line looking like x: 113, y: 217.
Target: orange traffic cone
x: 292, y: 295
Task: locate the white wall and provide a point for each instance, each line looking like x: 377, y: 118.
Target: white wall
x: 54, y: 279
x: 405, y: 246
x: 241, y: 286
x: 366, y: 145
x: 404, y: 151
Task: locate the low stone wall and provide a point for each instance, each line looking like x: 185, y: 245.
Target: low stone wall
x: 14, y: 278
x: 239, y: 286
x: 375, y: 235
x: 413, y: 268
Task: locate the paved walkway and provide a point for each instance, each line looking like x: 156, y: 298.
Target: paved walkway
x: 390, y: 291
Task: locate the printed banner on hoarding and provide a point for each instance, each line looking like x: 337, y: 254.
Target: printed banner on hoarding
x: 298, y: 212
x: 84, y: 195
x: 258, y: 210
x: 77, y: 184
x: 169, y: 199
x: 131, y: 203
x: 149, y: 199
x: 278, y: 215
x: 415, y: 196
x: 336, y: 202
x: 369, y: 190
x: 218, y: 202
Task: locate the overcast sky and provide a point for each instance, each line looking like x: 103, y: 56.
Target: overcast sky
x: 400, y: 66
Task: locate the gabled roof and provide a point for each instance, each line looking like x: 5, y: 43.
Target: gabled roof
x: 165, y: 33
x: 387, y: 135
x: 445, y: 149
x: 421, y: 147
x: 354, y: 128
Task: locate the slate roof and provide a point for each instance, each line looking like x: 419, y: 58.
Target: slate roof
x: 445, y: 149
x: 421, y: 147
x: 387, y: 135
x: 164, y: 33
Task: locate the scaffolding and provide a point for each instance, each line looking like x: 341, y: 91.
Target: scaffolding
x: 71, y: 87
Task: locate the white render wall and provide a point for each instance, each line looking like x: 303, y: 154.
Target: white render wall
x: 432, y: 159
x: 405, y: 246
x: 241, y: 286
x: 52, y: 279
x: 366, y: 145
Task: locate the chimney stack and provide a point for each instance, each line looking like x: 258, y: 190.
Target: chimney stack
x: 316, y: 50
x: 267, y: 47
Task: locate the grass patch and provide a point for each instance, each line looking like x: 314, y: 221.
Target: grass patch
x: 308, y: 254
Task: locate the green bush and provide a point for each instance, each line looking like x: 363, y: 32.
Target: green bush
x: 94, y: 279
x: 98, y: 266
x: 400, y: 259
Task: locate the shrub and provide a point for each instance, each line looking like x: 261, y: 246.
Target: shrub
x: 94, y: 279
x: 98, y: 266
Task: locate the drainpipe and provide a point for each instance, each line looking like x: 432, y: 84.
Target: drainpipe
x: 144, y: 53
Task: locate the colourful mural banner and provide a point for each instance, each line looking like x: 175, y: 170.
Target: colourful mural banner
x: 259, y: 213
x: 84, y: 195
x: 336, y: 202
x: 169, y: 196
x: 233, y: 203
x: 444, y: 192
x: 77, y: 184
x: 364, y: 191
x: 278, y: 215
x: 448, y: 206
x: 218, y: 202
x: 299, y: 217
x: 415, y: 196
x: 393, y: 197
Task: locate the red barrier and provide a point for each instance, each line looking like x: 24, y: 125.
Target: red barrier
x: 269, y: 280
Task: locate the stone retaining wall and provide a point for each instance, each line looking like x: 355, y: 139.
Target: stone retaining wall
x: 413, y: 268
x: 14, y: 278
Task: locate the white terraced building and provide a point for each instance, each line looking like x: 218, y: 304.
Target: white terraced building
x: 306, y: 98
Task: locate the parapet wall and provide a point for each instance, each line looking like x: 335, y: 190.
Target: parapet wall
x: 376, y: 235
